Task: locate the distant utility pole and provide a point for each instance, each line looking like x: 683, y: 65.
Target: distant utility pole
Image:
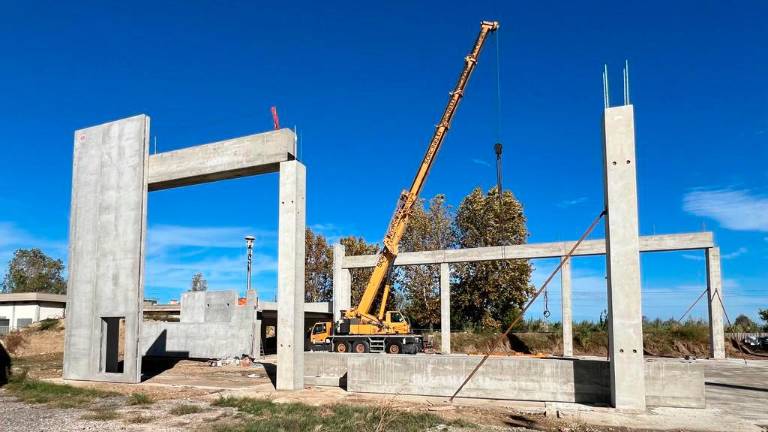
x: 249, y: 245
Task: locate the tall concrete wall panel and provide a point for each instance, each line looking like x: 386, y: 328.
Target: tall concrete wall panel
x: 106, y: 248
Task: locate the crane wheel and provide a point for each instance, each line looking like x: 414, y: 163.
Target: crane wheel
x: 341, y: 347
x: 360, y: 347
x: 394, y: 348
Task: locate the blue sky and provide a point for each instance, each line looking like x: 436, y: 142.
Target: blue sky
x: 364, y: 85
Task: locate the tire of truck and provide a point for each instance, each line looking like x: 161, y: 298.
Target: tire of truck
x: 394, y: 348
x: 360, y: 347
x: 340, y: 347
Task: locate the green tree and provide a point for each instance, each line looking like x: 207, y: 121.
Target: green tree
x: 743, y: 324
x: 491, y: 293
x: 764, y: 316
x: 198, y: 283
x: 419, y: 286
x: 31, y: 270
x: 318, y: 272
x: 358, y: 246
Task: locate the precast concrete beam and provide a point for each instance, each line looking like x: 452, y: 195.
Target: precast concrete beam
x: 290, y: 276
x: 625, y: 318
x: 715, y: 304
x: 567, y: 312
x: 445, y: 308
x: 239, y: 157
x: 654, y: 243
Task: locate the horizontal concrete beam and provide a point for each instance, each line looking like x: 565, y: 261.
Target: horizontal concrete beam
x: 655, y: 243
x: 238, y: 157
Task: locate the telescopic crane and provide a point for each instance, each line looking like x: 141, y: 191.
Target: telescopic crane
x: 361, y: 329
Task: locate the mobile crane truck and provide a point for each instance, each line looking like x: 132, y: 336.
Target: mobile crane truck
x: 360, y: 330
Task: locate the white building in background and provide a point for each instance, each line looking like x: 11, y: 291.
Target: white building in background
x: 19, y: 310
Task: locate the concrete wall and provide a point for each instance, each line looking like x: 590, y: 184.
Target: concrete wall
x: 51, y: 311
x: 212, y: 326
x: 106, y: 248
x: 669, y: 382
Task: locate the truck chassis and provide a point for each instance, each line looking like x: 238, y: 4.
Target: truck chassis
x: 391, y: 344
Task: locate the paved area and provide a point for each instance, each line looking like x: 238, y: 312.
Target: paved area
x: 738, y: 388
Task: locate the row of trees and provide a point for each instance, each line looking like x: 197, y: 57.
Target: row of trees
x: 483, y: 294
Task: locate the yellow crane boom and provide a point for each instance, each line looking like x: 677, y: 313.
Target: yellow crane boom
x: 381, y: 273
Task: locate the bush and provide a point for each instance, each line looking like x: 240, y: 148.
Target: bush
x: 48, y: 324
x: 14, y: 340
x: 185, y: 409
x: 140, y: 399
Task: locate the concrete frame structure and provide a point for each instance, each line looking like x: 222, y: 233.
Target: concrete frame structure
x: 621, y: 247
x: 655, y: 243
x: 112, y: 175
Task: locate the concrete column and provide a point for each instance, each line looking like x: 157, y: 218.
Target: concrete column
x: 445, y: 308
x: 342, y: 283
x: 715, y: 303
x: 625, y: 317
x: 290, y: 276
x: 565, y: 285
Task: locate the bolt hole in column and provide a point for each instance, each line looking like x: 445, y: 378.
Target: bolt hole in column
x: 112, y: 344
x: 614, y: 162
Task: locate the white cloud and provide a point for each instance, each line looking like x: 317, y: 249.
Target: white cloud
x: 727, y: 256
x: 12, y: 238
x: 572, y: 202
x: 693, y: 257
x: 11, y: 235
x: 227, y: 272
x: 738, y: 252
x: 481, y: 162
x: 331, y: 232
x: 163, y: 237
x: 739, y: 210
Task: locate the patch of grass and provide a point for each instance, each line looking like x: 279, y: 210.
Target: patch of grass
x: 60, y: 395
x: 139, y: 419
x: 266, y: 415
x: 185, y: 409
x: 140, y: 399
x: 101, y: 415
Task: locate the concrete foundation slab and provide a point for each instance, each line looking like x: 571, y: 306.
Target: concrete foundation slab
x: 106, y: 251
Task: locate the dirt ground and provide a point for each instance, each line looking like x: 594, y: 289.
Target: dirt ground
x: 737, y: 394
